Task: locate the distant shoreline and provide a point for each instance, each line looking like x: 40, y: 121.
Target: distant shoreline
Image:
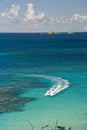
x: 40, y: 32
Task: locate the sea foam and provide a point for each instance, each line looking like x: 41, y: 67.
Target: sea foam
x: 59, y: 84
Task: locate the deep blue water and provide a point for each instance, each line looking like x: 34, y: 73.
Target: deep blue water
x: 42, y: 49
x: 59, y: 55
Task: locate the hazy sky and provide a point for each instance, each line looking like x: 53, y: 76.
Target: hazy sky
x: 43, y: 15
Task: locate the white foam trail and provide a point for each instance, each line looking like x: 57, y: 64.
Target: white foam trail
x: 59, y: 84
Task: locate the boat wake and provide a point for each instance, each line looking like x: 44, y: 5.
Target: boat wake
x: 59, y: 84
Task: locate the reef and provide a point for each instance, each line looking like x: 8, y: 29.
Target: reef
x: 12, y: 87
x: 11, y: 101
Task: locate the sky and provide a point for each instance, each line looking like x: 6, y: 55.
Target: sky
x: 43, y: 15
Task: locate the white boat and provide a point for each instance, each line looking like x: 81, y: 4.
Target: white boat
x: 55, y: 89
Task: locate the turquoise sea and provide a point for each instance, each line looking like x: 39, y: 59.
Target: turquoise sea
x: 31, y: 64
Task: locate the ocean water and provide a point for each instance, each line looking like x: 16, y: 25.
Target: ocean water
x: 31, y: 64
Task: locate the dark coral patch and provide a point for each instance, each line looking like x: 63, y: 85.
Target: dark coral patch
x: 11, y: 88
x: 11, y: 101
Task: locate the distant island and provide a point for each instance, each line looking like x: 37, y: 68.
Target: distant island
x: 52, y: 32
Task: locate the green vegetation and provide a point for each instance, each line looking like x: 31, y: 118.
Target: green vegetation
x: 47, y: 127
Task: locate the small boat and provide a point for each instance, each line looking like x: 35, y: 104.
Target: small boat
x: 55, y: 89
